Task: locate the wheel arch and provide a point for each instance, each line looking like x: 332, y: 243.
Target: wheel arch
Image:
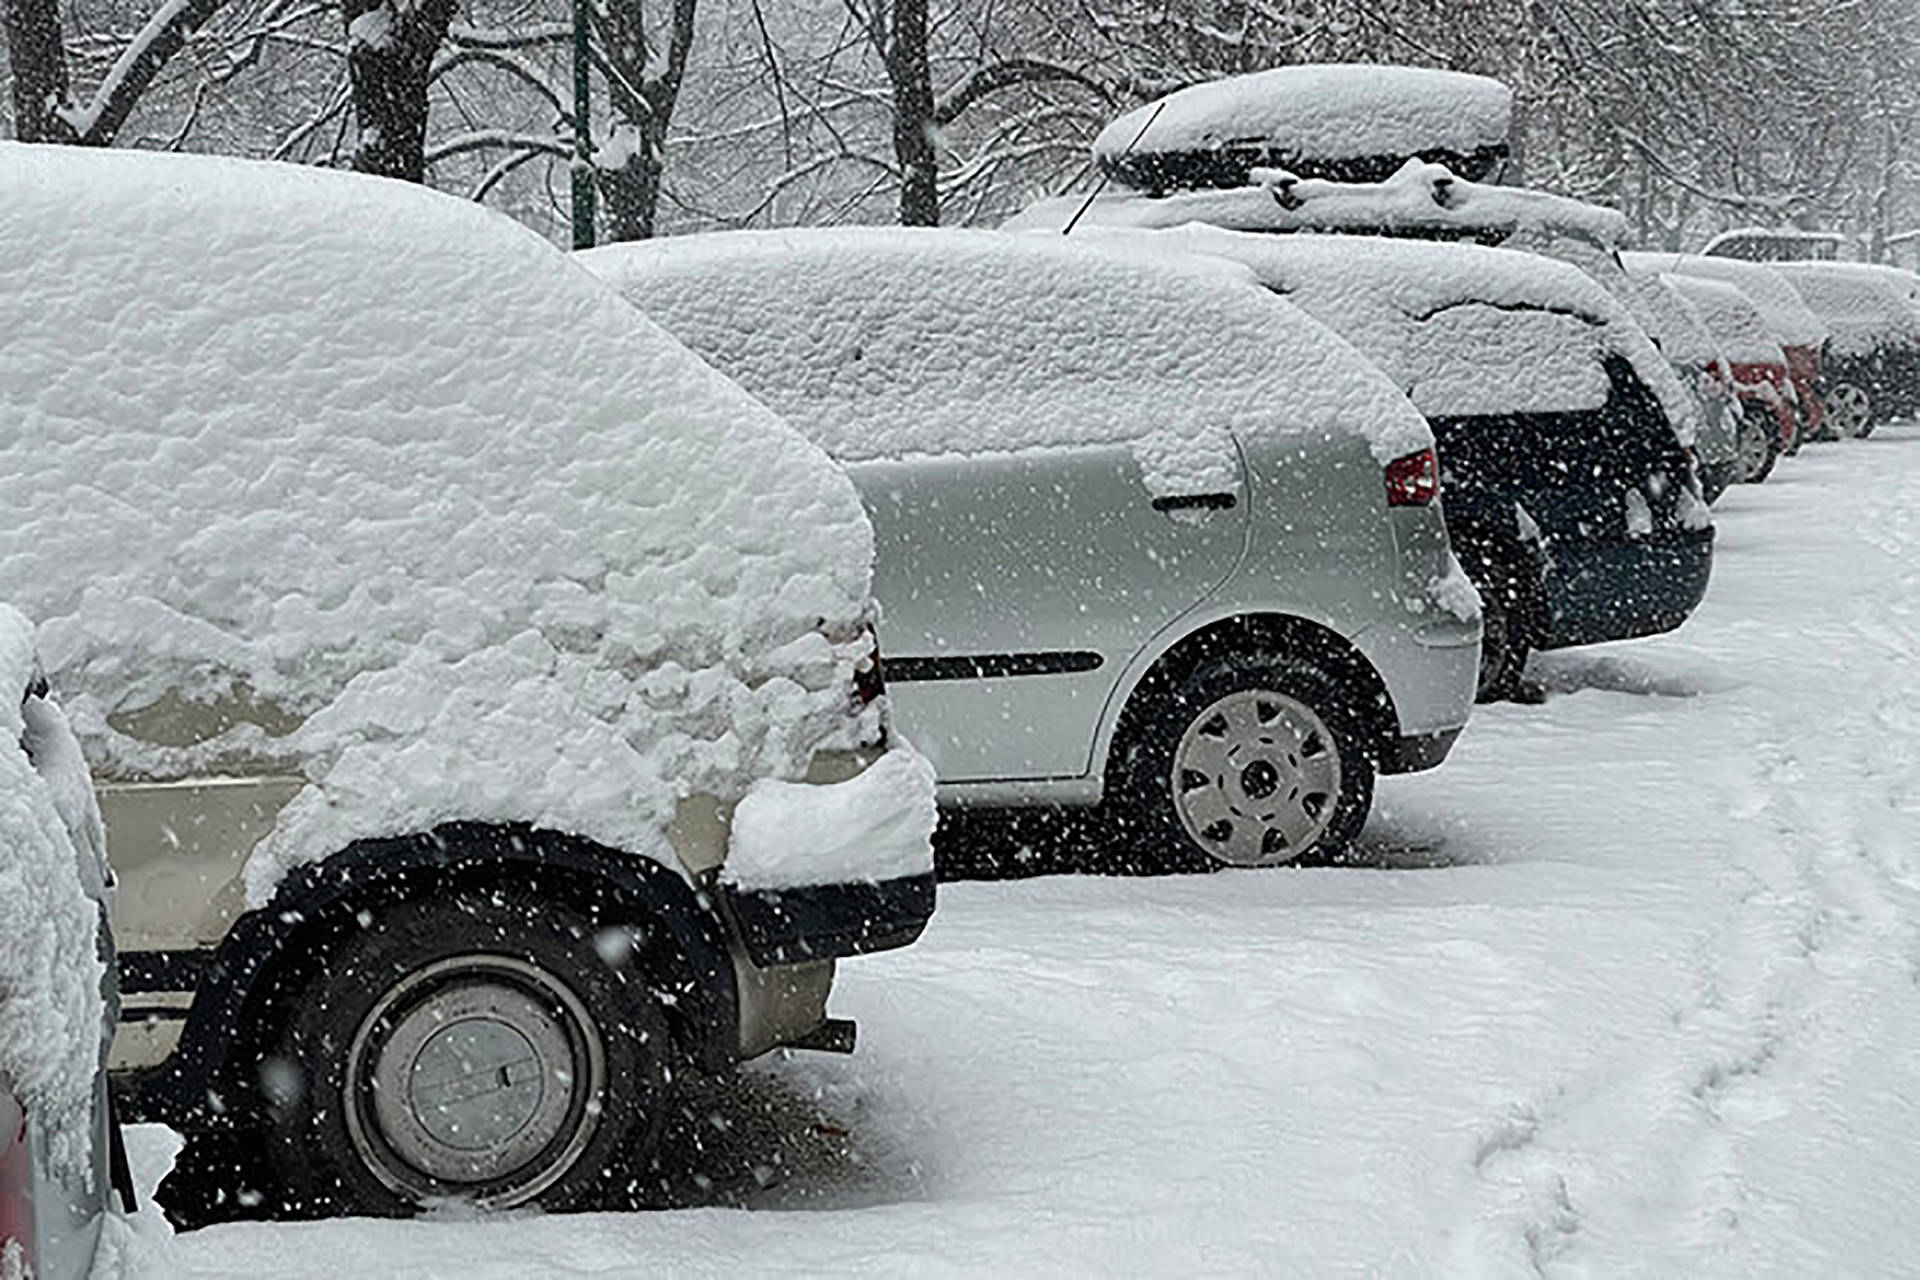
x: 271, y: 953
x: 1162, y: 669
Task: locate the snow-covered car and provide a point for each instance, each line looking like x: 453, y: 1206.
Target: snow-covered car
x: 1420, y: 201
x: 1872, y: 361
x: 481, y: 690
x: 1569, y: 496
x: 1800, y: 333
x: 1757, y: 366
x: 1147, y: 534
x: 1347, y: 121
x: 1676, y: 329
x: 58, y: 1141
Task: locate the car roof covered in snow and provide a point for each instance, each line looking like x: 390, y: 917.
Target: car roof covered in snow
x: 1793, y: 323
x: 1465, y: 330
x: 1863, y: 306
x: 387, y: 460
x: 887, y: 342
x: 1421, y: 199
x: 1732, y: 317
x: 1305, y: 116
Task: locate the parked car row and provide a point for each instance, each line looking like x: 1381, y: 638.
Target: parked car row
x: 478, y: 651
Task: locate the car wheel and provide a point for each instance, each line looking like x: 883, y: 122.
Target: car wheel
x: 1850, y: 411
x: 1503, y: 643
x: 1759, y: 448
x: 1251, y: 761
x: 475, y: 1050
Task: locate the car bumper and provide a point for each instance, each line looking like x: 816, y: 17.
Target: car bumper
x: 785, y: 942
x: 1415, y: 753
x: 1622, y: 590
x: 830, y: 921
x: 1430, y: 670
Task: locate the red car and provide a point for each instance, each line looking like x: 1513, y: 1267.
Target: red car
x: 1759, y: 370
x: 1796, y: 327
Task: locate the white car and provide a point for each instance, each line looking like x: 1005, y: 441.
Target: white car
x: 481, y: 690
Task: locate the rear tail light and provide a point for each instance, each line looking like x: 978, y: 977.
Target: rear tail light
x: 1413, y: 481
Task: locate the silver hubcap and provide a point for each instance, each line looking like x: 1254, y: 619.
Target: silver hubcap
x: 1256, y: 778
x: 478, y: 1077
x: 1753, y: 448
x: 1848, y: 410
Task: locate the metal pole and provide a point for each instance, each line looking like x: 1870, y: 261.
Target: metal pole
x: 583, y: 189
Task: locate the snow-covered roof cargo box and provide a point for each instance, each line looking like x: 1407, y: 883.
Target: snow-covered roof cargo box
x: 1862, y: 306
x: 1793, y: 323
x: 386, y: 461
x: 1465, y: 330
x: 1736, y: 323
x: 1355, y: 122
x: 903, y: 343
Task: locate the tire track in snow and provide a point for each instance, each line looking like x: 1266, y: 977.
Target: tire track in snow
x: 1823, y: 896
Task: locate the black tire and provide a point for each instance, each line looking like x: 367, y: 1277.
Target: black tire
x: 1758, y: 444
x: 419, y: 971
x: 1509, y: 602
x: 1142, y: 786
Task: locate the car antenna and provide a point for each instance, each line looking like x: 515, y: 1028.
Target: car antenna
x: 1093, y: 195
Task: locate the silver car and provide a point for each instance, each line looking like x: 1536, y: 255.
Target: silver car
x: 1145, y: 534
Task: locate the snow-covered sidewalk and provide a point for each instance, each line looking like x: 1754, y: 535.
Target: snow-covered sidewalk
x: 1631, y: 986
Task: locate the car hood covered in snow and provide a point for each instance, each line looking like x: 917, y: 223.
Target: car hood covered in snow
x: 891, y: 343
x: 1464, y: 330
x: 385, y: 462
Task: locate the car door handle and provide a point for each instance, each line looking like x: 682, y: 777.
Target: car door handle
x: 1197, y: 502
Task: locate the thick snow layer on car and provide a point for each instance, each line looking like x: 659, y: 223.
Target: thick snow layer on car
x: 1317, y: 111
x: 498, y: 547
x: 1737, y: 325
x: 787, y: 834
x: 1464, y: 330
x: 1421, y: 199
x: 891, y: 343
x: 1793, y: 323
x: 50, y: 1007
x: 1675, y: 325
x: 1862, y: 307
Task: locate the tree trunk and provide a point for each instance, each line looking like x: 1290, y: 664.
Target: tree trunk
x: 633, y: 160
x: 390, y: 54
x: 38, y: 60
x: 913, y: 120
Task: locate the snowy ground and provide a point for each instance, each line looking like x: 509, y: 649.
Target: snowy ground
x: 1631, y: 986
